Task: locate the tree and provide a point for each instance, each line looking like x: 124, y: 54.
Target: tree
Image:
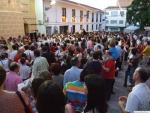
x: 139, y: 12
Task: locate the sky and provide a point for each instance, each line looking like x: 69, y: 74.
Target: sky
x: 101, y: 4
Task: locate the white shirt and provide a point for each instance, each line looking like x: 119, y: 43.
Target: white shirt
x: 138, y: 99
x: 40, y: 64
x: 5, y: 64
x: 12, y: 55
x: 30, y: 54
x: 24, y: 71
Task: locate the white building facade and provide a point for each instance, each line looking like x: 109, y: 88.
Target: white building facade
x: 115, y: 19
x: 66, y: 16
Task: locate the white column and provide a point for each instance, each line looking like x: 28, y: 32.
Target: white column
x: 39, y: 10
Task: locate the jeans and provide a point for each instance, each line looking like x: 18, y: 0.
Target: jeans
x: 129, y: 72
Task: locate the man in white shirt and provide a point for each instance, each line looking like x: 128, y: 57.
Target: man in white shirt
x: 13, y: 54
x: 29, y: 53
x: 139, y: 98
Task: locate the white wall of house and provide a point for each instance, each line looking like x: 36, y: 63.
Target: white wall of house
x: 51, y: 16
x: 115, y: 19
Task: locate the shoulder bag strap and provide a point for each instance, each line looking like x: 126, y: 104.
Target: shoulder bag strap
x: 22, y: 100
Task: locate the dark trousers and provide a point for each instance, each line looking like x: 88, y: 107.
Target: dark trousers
x: 129, y: 73
x: 109, y: 87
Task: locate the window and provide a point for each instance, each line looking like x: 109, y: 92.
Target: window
x: 81, y: 16
x: 87, y: 27
x: 73, y: 12
x: 81, y: 27
x: 106, y: 13
x: 73, y: 15
x: 114, y: 13
x: 97, y: 17
x: 120, y: 21
x: 92, y: 17
x: 96, y: 26
x: 63, y: 14
x: 100, y: 18
x: 122, y: 13
x: 113, y: 21
x: 107, y: 21
x: 92, y: 27
x: 87, y: 16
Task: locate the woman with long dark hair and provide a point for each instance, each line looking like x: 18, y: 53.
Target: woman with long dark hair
x: 50, y: 98
x: 96, y: 96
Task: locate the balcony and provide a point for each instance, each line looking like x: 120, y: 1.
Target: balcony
x: 63, y: 18
x: 73, y: 19
x: 81, y: 19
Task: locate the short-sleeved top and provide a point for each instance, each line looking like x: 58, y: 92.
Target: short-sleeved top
x: 76, y: 94
x: 10, y: 103
x: 12, y: 81
x: 111, y: 65
x: 114, y: 52
x: 138, y: 99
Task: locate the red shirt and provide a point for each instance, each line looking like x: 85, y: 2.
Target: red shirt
x: 111, y: 65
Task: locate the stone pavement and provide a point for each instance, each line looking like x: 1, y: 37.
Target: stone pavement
x: 119, y: 91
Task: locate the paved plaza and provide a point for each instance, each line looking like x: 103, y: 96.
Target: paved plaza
x: 119, y: 91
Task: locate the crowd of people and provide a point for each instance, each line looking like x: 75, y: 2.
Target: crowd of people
x: 73, y: 73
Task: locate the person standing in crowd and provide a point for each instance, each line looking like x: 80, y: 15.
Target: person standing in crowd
x: 13, y: 53
x: 96, y: 95
x: 50, y: 98
x: 139, y: 98
x: 108, y: 73
x: 132, y: 65
x: 56, y: 74
x: 113, y: 50
x: 89, y: 44
x: 4, y: 61
x: 24, y: 71
x: 9, y: 101
x: 76, y: 94
x: 12, y: 78
x: 40, y: 64
x: 146, y: 53
x: 29, y: 53
x: 73, y: 73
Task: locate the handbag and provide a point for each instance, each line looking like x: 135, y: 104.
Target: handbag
x: 26, y: 108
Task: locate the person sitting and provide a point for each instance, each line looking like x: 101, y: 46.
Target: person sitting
x: 139, y: 98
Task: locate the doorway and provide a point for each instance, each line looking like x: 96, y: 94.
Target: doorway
x: 26, y: 28
x: 63, y: 29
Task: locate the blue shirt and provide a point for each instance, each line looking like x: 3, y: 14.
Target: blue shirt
x: 114, y: 53
x: 72, y: 74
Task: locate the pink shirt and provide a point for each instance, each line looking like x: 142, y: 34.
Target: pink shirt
x: 89, y: 44
x: 12, y: 81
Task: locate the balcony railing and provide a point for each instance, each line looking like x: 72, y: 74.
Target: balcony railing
x: 81, y: 19
x: 73, y: 19
x: 63, y: 18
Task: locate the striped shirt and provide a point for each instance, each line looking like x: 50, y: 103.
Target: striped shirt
x: 76, y: 94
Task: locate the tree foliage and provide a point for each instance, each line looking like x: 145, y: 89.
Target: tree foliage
x: 139, y: 12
